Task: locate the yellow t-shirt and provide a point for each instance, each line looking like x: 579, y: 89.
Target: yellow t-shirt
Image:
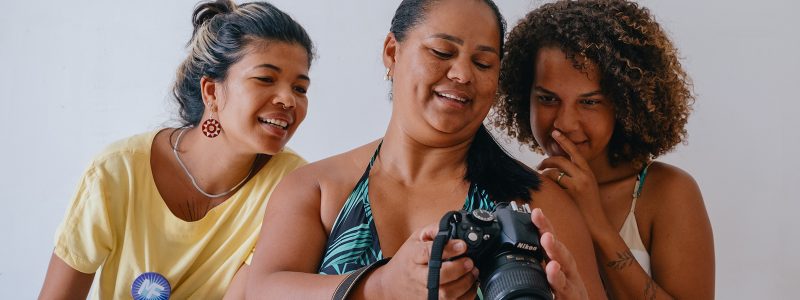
x: 119, y: 226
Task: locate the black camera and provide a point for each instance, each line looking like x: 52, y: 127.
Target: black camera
x: 505, y: 247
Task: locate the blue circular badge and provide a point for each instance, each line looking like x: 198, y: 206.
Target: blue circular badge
x: 150, y: 286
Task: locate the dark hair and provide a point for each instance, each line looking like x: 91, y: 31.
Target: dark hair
x: 222, y: 31
x: 411, y: 12
x: 639, y: 72
x: 488, y: 165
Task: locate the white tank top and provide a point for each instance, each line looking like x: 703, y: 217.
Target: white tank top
x: 630, y: 231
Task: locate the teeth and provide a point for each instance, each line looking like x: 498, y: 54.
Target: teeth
x: 454, y: 97
x: 280, y: 123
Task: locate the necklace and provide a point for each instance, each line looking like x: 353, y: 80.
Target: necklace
x: 194, y: 181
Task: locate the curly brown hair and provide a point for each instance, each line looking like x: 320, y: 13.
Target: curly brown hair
x: 638, y: 66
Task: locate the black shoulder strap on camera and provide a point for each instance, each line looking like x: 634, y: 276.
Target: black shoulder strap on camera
x: 435, y: 262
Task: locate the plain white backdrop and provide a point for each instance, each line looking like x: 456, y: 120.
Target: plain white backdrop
x: 78, y: 75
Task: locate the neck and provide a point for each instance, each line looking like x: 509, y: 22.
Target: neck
x: 214, y: 164
x: 605, y: 173
x: 411, y: 160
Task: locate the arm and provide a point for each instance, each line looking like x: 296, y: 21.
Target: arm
x: 293, y: 237
x: 572, y: 233
x: 681, y: 251
x: 236, y: 289
x: 291, y: 243
x: 64, y: 282
x: 682, y: 254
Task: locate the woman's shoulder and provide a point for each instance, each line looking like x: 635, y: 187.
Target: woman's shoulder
x: 670, y: 193
x: 550, y: 197
x: 128, y: 151
x: 323, y: 185
x: 341, y: 167
x: 669, y: 183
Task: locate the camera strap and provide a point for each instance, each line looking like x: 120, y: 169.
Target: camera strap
x: 435, y: 262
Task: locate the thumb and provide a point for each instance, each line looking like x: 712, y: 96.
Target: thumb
x: 428, y: 233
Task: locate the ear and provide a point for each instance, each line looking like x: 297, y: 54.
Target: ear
x: 208, y: 89
x: 389, y: 51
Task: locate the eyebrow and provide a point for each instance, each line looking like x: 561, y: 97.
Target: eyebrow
x: 459, y: 41
x: 278, y: 69
x: 589, y: 94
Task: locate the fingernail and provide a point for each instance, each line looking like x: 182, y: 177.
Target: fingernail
x: 556, y: 133
x: 460, y: 246
x: 475, y: 272
x: 553, y: 239
x: 468, y: 264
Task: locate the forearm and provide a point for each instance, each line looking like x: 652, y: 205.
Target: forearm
x: 298, y: 285
x: 625, y: 278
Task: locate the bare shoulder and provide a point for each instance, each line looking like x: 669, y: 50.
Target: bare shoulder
x: 676, y: 217
x: 329, y: 173
x: 342, y: 168
x: 554, y: 202
x: 335, y: 177
x: 669, y: 187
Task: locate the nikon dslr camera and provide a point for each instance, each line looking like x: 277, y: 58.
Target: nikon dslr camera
x: 505, y: 247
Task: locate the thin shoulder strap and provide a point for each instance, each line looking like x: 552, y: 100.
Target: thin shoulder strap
x: 637, y: 188
x: 374, y: 156
x: 371, y: 162
x: 360, y: 187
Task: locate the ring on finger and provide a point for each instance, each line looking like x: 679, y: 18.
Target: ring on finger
x: 560, y: 175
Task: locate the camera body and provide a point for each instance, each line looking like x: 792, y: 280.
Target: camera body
x: 505, y: 247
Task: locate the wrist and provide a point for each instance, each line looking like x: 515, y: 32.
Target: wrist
x: 599, y: 226
x: 372, y: 285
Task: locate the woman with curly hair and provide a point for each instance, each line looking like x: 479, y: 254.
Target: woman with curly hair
x: 598, y: 88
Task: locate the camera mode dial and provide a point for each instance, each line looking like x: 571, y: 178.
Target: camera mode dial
x: 481, y: 217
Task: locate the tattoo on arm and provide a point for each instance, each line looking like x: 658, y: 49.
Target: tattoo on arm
x: 650, y: 289
x: 623, y: 260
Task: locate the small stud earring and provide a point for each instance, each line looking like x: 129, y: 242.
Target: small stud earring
x: 388, y: 77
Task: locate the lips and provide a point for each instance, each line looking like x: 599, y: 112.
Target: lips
x: 453, y: 93
x: 452, y: 96
x: 277, y: 120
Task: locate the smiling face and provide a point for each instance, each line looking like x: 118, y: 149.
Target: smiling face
x: 262, y: 100
x: 445, y: 70
x: 571, y: 101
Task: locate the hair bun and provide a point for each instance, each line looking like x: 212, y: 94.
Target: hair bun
x: 206, y: 11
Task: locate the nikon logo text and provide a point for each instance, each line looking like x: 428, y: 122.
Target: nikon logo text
x: 526, y: 247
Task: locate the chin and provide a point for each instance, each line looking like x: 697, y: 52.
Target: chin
x: 270, y: 147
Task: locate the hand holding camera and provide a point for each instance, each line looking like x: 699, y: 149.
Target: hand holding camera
x: 505, y: 247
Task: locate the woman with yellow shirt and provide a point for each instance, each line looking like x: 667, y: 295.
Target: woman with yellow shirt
x: 176, y: 212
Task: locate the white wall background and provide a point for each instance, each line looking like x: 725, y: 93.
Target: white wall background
x: 77, y: 75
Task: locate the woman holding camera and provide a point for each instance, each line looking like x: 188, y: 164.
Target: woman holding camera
x: 176, y: 212
x: 383, y: 199
x: 598, y: 88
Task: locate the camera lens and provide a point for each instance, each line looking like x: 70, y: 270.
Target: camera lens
x: 515, y: 276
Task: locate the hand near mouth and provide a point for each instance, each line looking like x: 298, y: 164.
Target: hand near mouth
x: 573, y: 174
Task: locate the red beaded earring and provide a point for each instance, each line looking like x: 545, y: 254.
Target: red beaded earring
x: 211, y: 127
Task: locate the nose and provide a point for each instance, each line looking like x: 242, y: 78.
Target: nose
x: 567, y: 119
x: 285, y: 100
x: 461, y: 71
